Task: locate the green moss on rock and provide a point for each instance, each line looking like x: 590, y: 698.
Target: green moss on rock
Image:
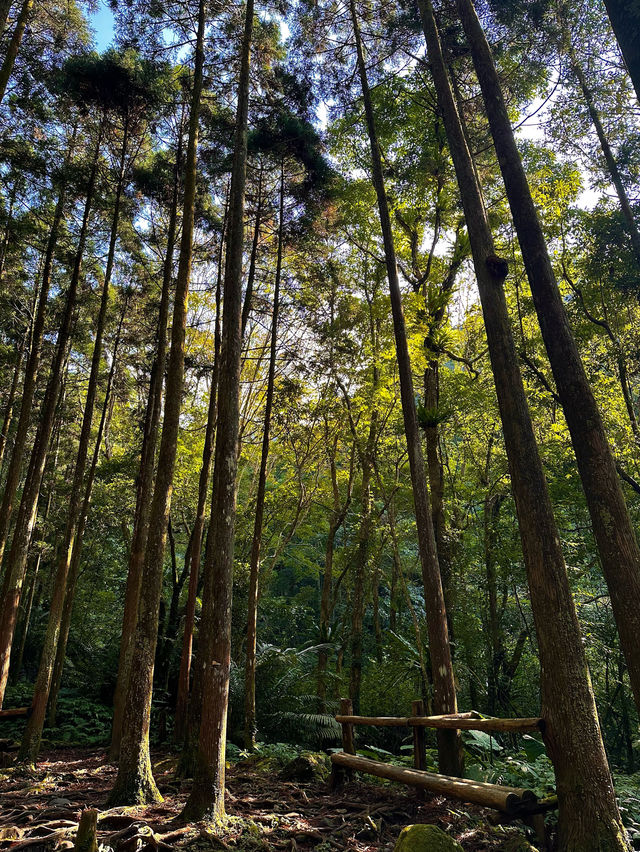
x: 425, y: 838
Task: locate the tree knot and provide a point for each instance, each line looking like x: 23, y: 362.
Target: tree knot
x: 497, y: 266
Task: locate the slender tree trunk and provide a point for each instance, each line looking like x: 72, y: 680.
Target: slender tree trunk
x: 253, y: 259
x: 394, y: 602
x: 250, y: 727
x: 338, y: 515
x: 494, y: 634
x: 214, y: 656
x: 14, y: 46
x: 17, y: 557
x: 449, y: 744
x: 607, y: 153
x: 588, y: 813
x: 625, y: 22
x: 182, y: 703
x: 145, y: 480
x: 613, y: 530
x: 31, y: 369
x: 9, y: 408
x: 360, y: 569
x: 17, y: 665
x: 436, y: 485
x: 33, y: 730
x: 74, y: 567
x: 134, y: 783
x: 5, y: 8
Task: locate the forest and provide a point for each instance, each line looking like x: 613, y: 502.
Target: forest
x: 320, y: 425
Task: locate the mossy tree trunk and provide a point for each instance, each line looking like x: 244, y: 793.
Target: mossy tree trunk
x: 250, y: 722
x: 16, y: 561
x: 588, y: 814
x: 610, y: 519
x: 449, y: 743
x: 207, y: 796
x: 134, y: 783
x: 146, y: 471
x: 53, y: 641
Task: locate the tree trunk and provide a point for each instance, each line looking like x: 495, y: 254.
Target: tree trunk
x: 250, y: 727
x: 17, y: 557
x: 9, y: 408
x: 31, y: 369
x: 74, y: 567
x: 253, y: 259
x: 182, y: 703
x: 14, y: 46
x: 33, y: 731
x: 607, y: 153
x: 624, y: 16
x: 588, y: 813
x: 134, y: 783
x: 360, y: 568
x: 146, y: 472
x: 214, y: 655
x: 612, y: 527
x: 449, y: 744
x: 19, y: 656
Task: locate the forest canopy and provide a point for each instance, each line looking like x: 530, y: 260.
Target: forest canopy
x: 319, y: 396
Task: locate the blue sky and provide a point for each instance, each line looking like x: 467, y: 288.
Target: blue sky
x: 102, y: 22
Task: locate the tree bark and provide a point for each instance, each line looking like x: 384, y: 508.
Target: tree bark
x: 74, y: 565
x: 10, y: 406
x: 253, y: 259
x: 612, y: 527
x: 17, y: 557
x: 146, y: 473
x: 250, y: 726
x: 207, y: 796
x: 588, y: 813
x: 182, y: 703
x: 33, y: 731
x: 134, y: 783
x: 32, y: 366
x: 449, y: 744
x: 14, y: 46
x: 624, y: 16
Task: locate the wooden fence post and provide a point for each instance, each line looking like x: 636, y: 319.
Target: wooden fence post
x: 419, y: 742
x: 338, y: 773
x: 348, y: 744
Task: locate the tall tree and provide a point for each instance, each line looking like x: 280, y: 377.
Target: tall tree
x: 449, y: 748
x: 250, y: 725
x: 146, y: 470
x: 17, y: 557
x: 625, y: 21
x: 613, y: 530
x: 585, y: 823
x: 207, y: 796
x: 135, y: 783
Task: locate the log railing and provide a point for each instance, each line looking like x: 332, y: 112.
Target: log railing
x: 509, y: 801
x: 14, y: 711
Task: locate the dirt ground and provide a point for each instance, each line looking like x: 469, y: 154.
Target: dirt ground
x: 39, y: 810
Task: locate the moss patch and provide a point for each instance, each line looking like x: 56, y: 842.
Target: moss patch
x: 425, y: 838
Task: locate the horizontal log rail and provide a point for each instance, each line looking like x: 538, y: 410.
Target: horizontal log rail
x: 509, y: 800
x: 460, y: 721
x: 14, y: 711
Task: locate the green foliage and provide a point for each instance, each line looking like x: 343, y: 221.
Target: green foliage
x: 80, y: 721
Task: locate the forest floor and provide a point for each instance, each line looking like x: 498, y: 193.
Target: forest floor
x: 39, y: 810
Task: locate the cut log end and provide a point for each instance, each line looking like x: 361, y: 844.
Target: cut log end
x: 87, y: 836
